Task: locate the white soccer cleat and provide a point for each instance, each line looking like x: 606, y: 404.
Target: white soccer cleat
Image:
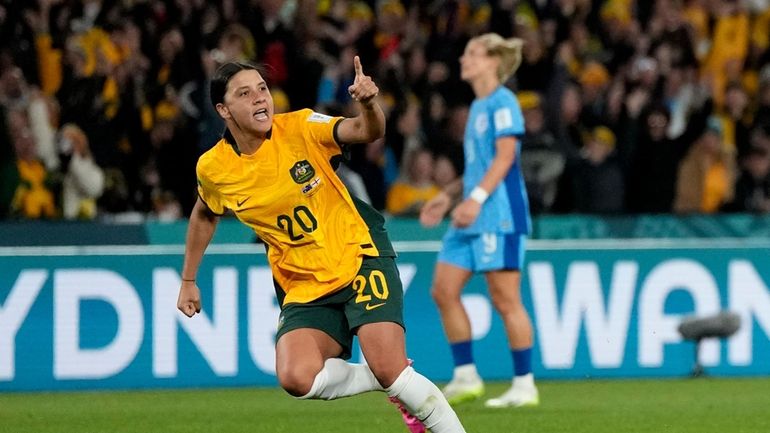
x: 466, y: 385
x: 516, y: 396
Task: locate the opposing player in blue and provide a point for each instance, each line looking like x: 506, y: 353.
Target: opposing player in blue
x: 489, y: 226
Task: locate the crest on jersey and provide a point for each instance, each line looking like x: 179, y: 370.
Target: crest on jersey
x: 482, y: 123
x: 302, y: 171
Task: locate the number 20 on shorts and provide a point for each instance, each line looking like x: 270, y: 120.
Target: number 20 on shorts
x: 377, y: 283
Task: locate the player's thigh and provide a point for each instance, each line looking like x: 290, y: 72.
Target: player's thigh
x: 504, y: 289
x: 313, y: 331
x: 500, y: 257
x: 449, y: 281
x: 305, y: 347
x: 454, y: 266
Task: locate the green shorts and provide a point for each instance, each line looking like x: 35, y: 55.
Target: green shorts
x: 375, y: 295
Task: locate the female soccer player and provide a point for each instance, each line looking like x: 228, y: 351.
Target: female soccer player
x: 333, y: 265
x: 490, y: 224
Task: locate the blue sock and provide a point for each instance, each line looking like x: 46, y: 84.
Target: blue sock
x: 462, y: 353
x: 522, y: 361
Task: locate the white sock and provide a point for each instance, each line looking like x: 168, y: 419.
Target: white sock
x: 424, y: 400
x: 342, y: 379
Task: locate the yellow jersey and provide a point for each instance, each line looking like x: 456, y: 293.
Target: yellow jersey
x: 315, y: 233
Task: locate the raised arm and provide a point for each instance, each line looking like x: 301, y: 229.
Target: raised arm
x: 200, y: 230
x: 369, y: 125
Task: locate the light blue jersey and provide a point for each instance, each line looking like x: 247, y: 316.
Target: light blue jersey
x: 507, y: 208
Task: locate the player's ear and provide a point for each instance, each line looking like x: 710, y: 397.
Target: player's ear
x: 223, y: 111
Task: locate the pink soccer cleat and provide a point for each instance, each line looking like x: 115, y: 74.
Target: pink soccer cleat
x: 412, y: 423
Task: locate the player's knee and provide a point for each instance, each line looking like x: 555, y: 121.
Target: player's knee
x: 504, y: 300
x: 387, y: 372
x: 442, y: 296
x: 297, y: 380
x: 507, y: 307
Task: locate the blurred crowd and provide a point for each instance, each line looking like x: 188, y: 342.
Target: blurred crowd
x: 630, y: 106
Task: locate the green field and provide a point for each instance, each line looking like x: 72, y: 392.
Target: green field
x: 591, y: 406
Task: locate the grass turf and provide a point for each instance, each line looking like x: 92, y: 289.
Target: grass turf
x: 595, y: 406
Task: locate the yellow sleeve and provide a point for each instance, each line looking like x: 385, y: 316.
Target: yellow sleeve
x: 321, y: 128
x: 207, y: 190
x: 49, y: 64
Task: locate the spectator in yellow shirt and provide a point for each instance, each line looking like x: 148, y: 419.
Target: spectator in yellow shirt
x: 706, y: 179
x: 415, y: 187
x: 32, y: 198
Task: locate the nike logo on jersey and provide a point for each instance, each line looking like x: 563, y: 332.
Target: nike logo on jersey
x: 241, y: 202
x: 372, y: 307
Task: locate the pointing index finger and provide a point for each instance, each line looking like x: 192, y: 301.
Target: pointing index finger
x: 357, y: 65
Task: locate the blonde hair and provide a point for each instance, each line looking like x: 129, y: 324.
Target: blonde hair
x: 508, y: 50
